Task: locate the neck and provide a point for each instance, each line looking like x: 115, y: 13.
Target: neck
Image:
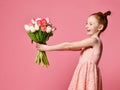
x: 97, y: 34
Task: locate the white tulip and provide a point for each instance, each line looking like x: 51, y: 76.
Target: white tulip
x: 32, y: 29
x: 36, y: 27
x: 27, y: 27
x: 48, y: 29
x: 33, y: 21
x: 38, y: 19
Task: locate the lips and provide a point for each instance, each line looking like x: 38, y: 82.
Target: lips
x: 88, y: 30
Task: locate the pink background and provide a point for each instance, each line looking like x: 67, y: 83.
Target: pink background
x: 18, y: 71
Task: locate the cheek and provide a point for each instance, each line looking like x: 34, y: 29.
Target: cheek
x: 92, y: 27
x: 95, y: 26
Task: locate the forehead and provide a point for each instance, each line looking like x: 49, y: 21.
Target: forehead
x: 92, y: 19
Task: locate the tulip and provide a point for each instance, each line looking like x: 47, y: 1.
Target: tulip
x: 27, y: 28
x: 47, y: 19
x: 36, y: 27
x: 38, y: 22
x: 33, y: 21
x: 43, y: 28
x: 32, y: 29
x: 38, y: 19
x: 43, y: 22
x: 48, y: 29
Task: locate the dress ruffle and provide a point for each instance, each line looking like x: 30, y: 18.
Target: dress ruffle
x: 86, y: 77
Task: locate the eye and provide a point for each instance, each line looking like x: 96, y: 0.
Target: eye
x: 86, y: 23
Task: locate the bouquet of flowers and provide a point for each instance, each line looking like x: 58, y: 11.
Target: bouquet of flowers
x: 39, y: 30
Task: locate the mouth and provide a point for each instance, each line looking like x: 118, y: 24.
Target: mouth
x: 88, y: 30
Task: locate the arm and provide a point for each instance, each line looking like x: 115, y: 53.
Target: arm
x: 89, y: 42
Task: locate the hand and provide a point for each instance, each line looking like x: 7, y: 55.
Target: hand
x: 41, y: 47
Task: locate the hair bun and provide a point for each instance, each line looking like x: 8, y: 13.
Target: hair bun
x: 107, y: 13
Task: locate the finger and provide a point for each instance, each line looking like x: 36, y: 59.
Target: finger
x: 36, y: 45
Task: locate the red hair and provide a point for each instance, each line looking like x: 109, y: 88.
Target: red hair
x: 102, y: 18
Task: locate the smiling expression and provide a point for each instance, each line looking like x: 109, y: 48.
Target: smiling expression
x: 92, y: 25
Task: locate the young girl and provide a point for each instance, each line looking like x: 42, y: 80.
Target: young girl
x: 87, y: 74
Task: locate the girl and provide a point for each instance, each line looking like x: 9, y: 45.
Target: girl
x: 87, y: 74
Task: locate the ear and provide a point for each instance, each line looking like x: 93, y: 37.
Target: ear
x: 100, y: 27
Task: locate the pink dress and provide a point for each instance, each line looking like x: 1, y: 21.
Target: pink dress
x: 87, y: 73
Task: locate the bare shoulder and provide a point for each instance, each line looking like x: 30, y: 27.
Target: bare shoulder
x: 95, y: 40
x: 91, y: 40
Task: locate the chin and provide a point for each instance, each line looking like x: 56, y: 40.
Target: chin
x: 89, y: 34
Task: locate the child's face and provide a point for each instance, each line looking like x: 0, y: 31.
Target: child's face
x: 92, y: 25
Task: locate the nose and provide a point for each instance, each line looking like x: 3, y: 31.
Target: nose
x: 86, y: 26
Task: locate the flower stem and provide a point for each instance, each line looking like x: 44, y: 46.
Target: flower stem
x: 41, y: 58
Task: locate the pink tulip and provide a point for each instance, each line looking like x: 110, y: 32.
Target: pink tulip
x: 43, y: 28
x: 43, y: 22
x: 38, y: 22
x: 47, y: 20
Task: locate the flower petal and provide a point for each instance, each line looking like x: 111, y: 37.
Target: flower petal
x: 48, y: 29
x: 32, y: 29
x: 27, y: 28
x: 43, y: 28
x: 36, y: 27
x: 47, y: 20
x: 33, y: 21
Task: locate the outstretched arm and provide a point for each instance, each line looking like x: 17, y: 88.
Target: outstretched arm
x: 89, y: 42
